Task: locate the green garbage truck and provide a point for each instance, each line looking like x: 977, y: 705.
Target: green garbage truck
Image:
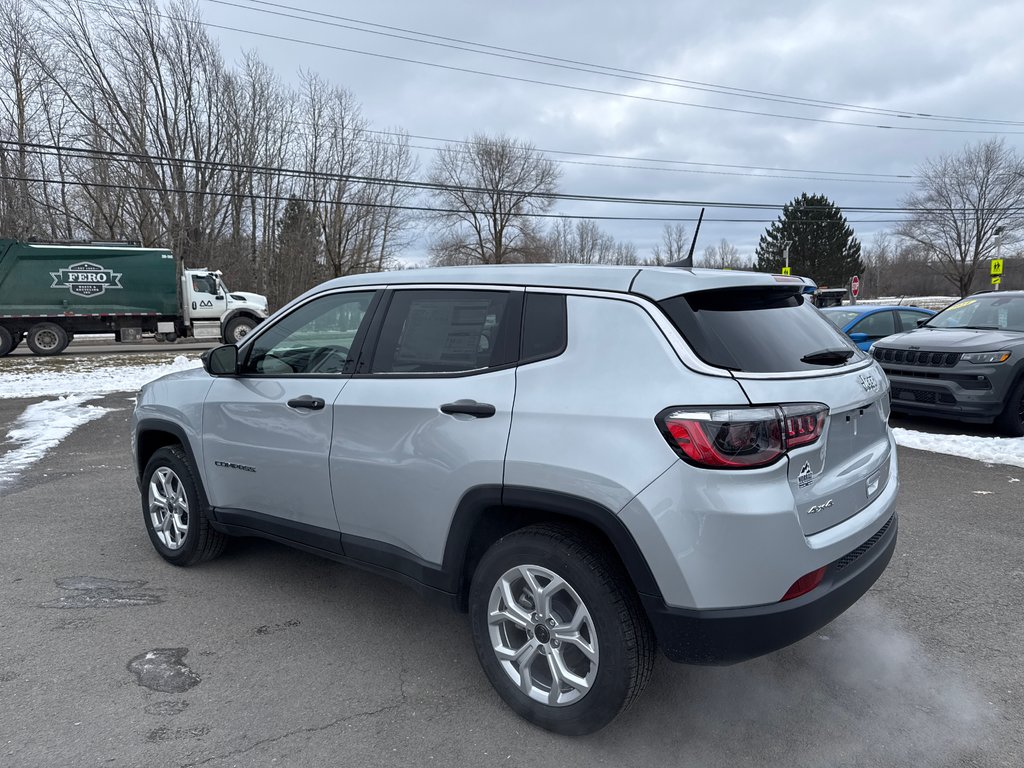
x: 49, y: 291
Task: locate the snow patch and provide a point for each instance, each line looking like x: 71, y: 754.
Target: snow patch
x: 41, y: 428
x: 94, y: 376
x: 996, y: 450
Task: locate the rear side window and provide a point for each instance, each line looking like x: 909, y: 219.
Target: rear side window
x: 756, y: 330
x: 544, y: 327
x: 445, y: 331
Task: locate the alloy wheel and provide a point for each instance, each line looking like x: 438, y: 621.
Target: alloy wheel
x: 168, y: 508
x: 543, y: 635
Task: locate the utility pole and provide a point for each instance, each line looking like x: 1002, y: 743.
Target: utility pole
x: 785, y: 253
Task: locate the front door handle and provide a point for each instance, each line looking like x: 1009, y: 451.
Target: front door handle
x: 470, y: 408
x: 308, y: 402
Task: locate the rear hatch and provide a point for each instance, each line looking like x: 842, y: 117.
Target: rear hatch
x: 781, y: 350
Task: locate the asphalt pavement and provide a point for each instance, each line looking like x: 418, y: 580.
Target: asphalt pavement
x: 270, y: 656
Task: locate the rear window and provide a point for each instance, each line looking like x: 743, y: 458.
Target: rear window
x: 756, y: 330
x: 839, y: 318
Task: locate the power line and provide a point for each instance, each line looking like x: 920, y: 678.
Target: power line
x: 410, y: 208
x: 56, y: 150
x: 561, y: 86
x: 592, y: 68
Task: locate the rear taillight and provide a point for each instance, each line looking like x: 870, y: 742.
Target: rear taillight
x: 740, y: 438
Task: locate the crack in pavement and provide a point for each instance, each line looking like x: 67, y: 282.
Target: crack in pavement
x: 296, y: 732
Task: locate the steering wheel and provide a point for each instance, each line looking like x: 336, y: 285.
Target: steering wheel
x: 330, y: 358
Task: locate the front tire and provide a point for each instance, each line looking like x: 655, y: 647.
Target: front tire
x: 1011, y: 420
x: 47, y: 339
x: 237, y: 329
x: 559, y: 630
x: 174, y: 509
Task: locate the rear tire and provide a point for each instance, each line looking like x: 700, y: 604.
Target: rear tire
x: 1011, y: 420
x: 559, y: 630
x: 47, y: 339
x: 174, y: 509
x: 7, y: 341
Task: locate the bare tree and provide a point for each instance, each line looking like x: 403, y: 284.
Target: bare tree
x: 20, y: 86
x: 962, y: 202
x: 488, y: 188
x: 674, y: 245
x: 723, y: 256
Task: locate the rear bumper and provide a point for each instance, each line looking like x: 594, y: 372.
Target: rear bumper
x: 730, y: 635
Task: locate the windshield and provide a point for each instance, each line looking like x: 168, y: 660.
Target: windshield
x: 840, y: 317
x: 1002, y: 313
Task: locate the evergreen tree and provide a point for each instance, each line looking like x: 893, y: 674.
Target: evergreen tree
x: 822, y: 248
x: 297, y: 262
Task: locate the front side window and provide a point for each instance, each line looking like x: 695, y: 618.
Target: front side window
x: 876, y: 326
x: 314, y: 339
x: 444, y: 331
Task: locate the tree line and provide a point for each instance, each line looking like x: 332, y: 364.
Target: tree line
x: 125, y: 123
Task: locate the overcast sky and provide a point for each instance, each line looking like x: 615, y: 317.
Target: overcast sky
x: 956, y: 58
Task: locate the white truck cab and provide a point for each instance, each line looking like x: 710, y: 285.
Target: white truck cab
x: 211, y: 311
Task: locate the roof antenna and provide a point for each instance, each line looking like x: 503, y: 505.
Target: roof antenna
x: 688, y: 261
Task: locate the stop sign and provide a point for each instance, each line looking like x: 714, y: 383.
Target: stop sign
x: 855, y: 286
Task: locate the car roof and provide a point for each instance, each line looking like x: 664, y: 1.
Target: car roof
x: 863, y: 309
x: 654, y: 282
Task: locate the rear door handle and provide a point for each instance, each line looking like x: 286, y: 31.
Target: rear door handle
x: 470, y: 408
x: 308, y: 402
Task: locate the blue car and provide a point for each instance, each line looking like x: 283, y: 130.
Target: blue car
x: 867, y: 324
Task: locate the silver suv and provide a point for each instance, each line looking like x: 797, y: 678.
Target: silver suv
x: 594, y: 462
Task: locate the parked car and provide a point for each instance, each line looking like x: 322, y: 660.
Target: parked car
x: 592, y: 461
x: 966, y: 362
x: 866, y: 324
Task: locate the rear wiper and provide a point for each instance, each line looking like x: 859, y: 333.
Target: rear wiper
x: 828, y: 357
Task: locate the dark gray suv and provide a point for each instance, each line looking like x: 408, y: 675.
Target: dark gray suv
x: 967, y: 362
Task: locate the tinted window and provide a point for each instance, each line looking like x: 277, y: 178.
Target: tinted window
x: 444, y: 332
x: 544, y: 327
x: 876, y: 326
x: 315, y: 338
x: 755, y: 329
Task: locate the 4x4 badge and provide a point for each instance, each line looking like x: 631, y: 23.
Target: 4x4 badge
x: 868, y: 382
x: 806, y: 476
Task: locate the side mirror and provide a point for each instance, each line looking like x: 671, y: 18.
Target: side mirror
x: 858, y: 338
x: 922, y: 321
x: 221, y: 361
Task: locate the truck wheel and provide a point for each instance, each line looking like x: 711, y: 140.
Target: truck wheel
x: 1011, y: 420
x: 558, y: 629
x: 7, y: 341
x: 47, y: 339
x: 174, y: 510
x: 237, y: 329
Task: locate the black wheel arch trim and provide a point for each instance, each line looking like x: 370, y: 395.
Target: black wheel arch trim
x: 169, y: 427
x: 478, y: 501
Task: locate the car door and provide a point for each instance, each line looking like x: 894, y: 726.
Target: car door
x: 267, y: 432
x: 425, y: 420
x: 207, y: 297
x: 875, y: 326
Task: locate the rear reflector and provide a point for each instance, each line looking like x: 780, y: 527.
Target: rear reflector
x: 744, y: 437
x: 804, y: 584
